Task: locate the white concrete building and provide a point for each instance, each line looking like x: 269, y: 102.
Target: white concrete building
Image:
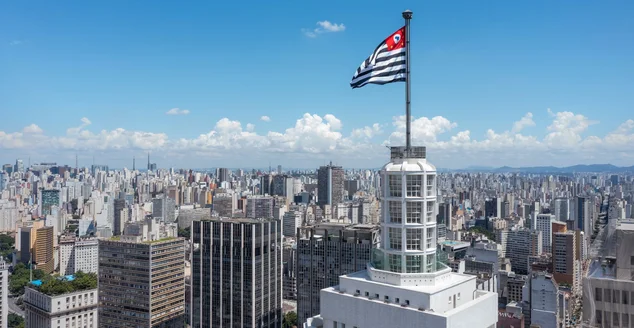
x: 4, y: 292
x: 77, y: 309
x: 78, y: 255
x: 544, y: 223
x: 404, y: 285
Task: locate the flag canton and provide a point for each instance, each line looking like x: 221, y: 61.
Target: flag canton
x: 396, y: 40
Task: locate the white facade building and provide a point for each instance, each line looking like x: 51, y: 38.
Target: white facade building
x: 4, y: 292
x: 78, y: 309
x: 78, y: 255
x: 404, y: 285
x: 544, y: 223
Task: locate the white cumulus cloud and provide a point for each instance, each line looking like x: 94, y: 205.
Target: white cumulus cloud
x: 177, y: 111
x: 324, y: 27
x: 313, y: 139
x: 265, y: 118
x: 32, y: 129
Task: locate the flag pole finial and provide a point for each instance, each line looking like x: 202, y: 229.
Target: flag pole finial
x: 407, y: 15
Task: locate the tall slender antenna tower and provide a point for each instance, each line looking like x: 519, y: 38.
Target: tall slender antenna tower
x: 133, y: 163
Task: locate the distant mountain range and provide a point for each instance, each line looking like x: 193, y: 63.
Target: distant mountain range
x: 592, y: 168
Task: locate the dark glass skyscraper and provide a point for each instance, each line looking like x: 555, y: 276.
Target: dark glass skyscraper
x: 237, y: 273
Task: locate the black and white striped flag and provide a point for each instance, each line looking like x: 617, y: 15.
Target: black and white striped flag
x: 387, y: 63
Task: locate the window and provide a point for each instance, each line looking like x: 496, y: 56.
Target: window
x: 430, y: 185
x: 395, y: 238
x: 597, y: 294
x: 615, y: 296
x: 387, y: 298
x: 607, y: 296
x: 430, y: 211
x: 414, y: 185
x: 396, y: 185
x: 626, y: 297
x: 407, y: 302
x: 395, y: 262
x: 631, y: 260
x: 458, y: 295
x: 396, y: 212
x: 431, y: 262
x: 414, y: 239
x: 598, y: 315
x: 626, y: 320
x: 615, y: 318
x: 414, y: 263
x: 414, y: 212
x: 398, y: 300
x: 430, y: 238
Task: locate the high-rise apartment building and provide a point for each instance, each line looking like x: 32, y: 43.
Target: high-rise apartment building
x: 222, y: 174
x: 330, y: 189
x: 236, y: 273
x: 325, y: 252
x: 566, y: 258
x: 404, y: 285
x: 518, y: 245
x: 50, y: 198
x: 141, y: 283
x: 544, y: 223
x: 43, y: 252
x: 78, y: 254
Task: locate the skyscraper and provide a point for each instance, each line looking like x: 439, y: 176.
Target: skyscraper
x: 330, y: 180
x: 325, y: 252
x: 236, y: 273
x: 404, y: 285
x: 141, y: 284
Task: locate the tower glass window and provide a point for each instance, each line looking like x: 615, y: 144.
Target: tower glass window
x: 430, y: 238
x: 430, y: 211
x: 395, y: 262
x: 395, y: 238
x: 431, y: 262
x: 414, y: 239
x: 396, y: 212
x: 430, y: 185
x: 414, y: 212
x: 414, y: 263
x: 414, y: 185
x: 396, y: 185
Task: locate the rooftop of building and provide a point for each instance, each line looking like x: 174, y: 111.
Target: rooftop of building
x: 65, y: 284
x: 454, y: 279
x: 238, y: 220
x: 124, y: 240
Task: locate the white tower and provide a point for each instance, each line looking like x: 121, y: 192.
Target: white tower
x: 407, y: 256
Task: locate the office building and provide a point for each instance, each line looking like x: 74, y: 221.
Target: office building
x: 291, y: 221
x: 141, y: 283
x: 73, y: 309
x: 330, y: 189
x: 325, y: 252
x: 562, y: 209
x: 237, y: 273
x: 50, y: 198
x: 404, y: 285
x: 260, y: 207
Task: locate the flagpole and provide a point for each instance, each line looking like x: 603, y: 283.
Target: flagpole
x: 407, y: 15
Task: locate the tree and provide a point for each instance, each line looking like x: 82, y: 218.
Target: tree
x: 6, y: 245
x: 290, y: 320
x: 20, y: 278
x: 15, y: 321
x: 184, y: 233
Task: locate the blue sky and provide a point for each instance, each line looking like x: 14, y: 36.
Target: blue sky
x: 478, y: 65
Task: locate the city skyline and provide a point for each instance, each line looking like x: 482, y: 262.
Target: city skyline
x: 505, y: 84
